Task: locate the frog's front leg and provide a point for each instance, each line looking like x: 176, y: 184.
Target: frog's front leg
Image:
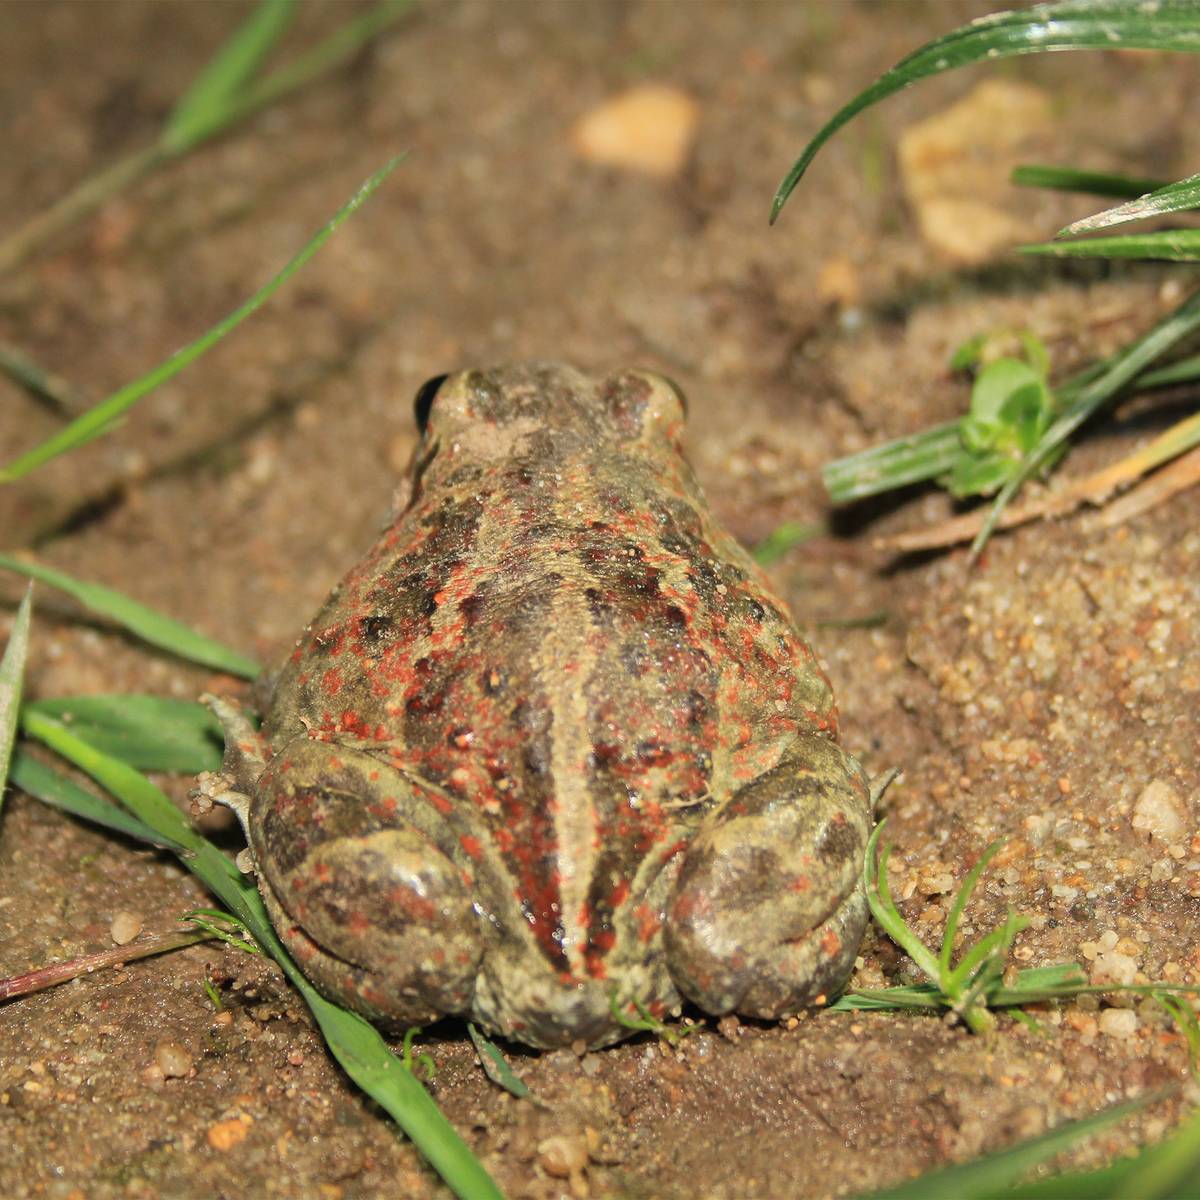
x: 365, y: 882
x: 768, y: 909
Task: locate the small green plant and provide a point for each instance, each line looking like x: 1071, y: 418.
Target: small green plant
x: 646, y: 1022
x: 230, y: 88
x: 423, y: 1061
x: 983, y: 979
x: 1019, y: 426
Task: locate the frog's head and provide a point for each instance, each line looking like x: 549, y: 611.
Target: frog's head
x: 517, y: 409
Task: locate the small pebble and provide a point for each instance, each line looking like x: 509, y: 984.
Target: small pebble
x: 126, y: 925
x: 224, y: 1135
x: 1118, y: 1022
x: 1160, y: 812
x: 648, y: 128
x: 562, y: 1153
x: 172, y: 1059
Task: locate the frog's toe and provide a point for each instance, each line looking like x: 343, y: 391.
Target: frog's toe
x: 768, y: 909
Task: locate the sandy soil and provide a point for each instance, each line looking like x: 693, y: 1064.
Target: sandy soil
x: 1035, y: 698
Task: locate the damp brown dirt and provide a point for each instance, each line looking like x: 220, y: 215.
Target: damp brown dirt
x: 1039, y: 698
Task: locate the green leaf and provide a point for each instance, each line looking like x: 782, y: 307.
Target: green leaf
x: 204, y: 105
x: 1068, y: 25
x: 1173, y: 197
x: 150, y: 733
x: 991, y: 1175
x: 146, y: 623
x: 101, y: 417
x: 356, y: 1045
x: 1095, y: 183
x: 12, y: 675
x: 48, y: 786
x: 1167, y: 245
x: 1101, y: 386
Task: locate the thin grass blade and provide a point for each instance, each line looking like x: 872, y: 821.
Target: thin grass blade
x: 1069, y: 25
x: 338, y: 46
x: 894, y: 464
x: 151, y: 733
x: 1167, y: 245
x: 51, y: 391
x: 495, y: 1065
x: 206, y: 102
x: 100, y: 417
x: 960, y: 902
x: 12, y: 676
x: 1180, y: 196
x: 992, y: 1174
x: 1094, y: 183
x: 883, y: 907
x: 162, y: 631
x: 48, y: 786
x: 356, y: 1045
x: 783, y: 538
x: 1118, y: 371
x: 1168, y: 1170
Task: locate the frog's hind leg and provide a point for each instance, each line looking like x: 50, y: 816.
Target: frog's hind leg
x: 364, y: 884
x: 768, y: 909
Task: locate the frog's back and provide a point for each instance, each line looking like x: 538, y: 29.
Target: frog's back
x: 571, y: 660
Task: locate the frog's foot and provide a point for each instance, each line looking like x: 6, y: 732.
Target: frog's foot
x: 245, y: 755
x: 359, y: 878
x: 768, y: 910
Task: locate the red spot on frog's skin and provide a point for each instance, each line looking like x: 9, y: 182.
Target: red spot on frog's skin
x: 801, y: 883
x: 472, y: 846
x: 648, y: 922
x: 358, y: 924
x: 331, y: 681
x: 830, y: 943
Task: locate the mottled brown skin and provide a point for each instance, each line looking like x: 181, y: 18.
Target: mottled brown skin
x: 553, y: 746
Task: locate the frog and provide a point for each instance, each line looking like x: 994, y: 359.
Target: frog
x: 554, y: 753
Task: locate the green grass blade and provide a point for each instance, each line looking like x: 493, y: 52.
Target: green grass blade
x: 1167, y: 1170
x: 1067, y: 25
x: 1186, y: 370
x: 1118, y: 371
x: 338, y: 46
x: 146, y: 623
x: 992, y: 1174
x: 894, y: 464
x: 101, y: 416
x: 883, y: 907
x: 54, y: 393
x: 48, y: 786
x: 1166, y: 198
x: 205, y: 103
x: 919, y: 996
x: 960, y: 902
x: 356, y: 1045
x: 495, y: 1065
x: 1094, y: 183
x: 1167, y: 245
x: 151, y: 733
x: 783, y: 538
x: 12, y: 676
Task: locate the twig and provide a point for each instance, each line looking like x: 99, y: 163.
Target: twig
x: 1092, y: 489
x: 44, y: 977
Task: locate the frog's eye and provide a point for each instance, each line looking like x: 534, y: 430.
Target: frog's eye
x: 645, y: 405
x: 679, y: 394
x: 423, y: 401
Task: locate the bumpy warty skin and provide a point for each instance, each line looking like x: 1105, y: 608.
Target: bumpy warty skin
x: 553, y: 749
